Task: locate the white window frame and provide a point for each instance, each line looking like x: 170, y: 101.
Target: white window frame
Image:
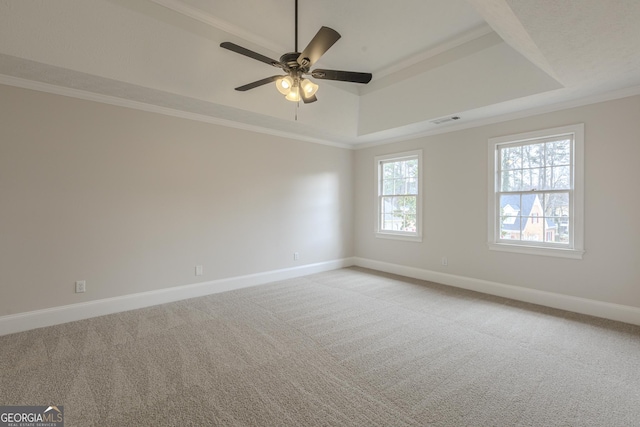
x: 575, y: 248
x: 398, y: 235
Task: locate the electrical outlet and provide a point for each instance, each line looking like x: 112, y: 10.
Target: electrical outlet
x: 445, y: 261
x: 296, y: 256
x: 199, y: 270
x: 81, y: 286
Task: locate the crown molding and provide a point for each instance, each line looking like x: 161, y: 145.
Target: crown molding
x: 499, y: 118
x: 358, y: 142
x: 127, y: 103
x: 437, y: 50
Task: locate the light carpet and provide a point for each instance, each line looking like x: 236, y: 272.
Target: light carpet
x: 350, y: 347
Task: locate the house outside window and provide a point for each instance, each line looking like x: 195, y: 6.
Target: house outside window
x: 399, y: 200
x: 536, y: 192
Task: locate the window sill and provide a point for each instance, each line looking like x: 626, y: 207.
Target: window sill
x: 534, y: 250
x: 397, y: 236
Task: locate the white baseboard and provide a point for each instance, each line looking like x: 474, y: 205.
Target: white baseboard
x: 607, y: 310
x: 69, y: 313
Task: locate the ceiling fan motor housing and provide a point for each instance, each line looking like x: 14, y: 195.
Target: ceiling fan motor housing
x: 297, y: 65
x: 290, y: 62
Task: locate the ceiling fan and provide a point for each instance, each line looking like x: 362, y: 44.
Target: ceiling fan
x: 297, y: 65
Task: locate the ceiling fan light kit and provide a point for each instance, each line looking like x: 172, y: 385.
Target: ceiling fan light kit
x: 284, y: 84
x: 294, y: 85
x: 293, y: 90
x: 309, y: 87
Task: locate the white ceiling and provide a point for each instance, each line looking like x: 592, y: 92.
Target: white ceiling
x: 371, y: 40
x: 481, y: 60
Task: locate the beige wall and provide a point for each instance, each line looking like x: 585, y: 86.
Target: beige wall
x: 455, y: 207
x: 131, y: 201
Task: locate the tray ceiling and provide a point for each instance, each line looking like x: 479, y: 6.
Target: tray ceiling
x: 477, y: 59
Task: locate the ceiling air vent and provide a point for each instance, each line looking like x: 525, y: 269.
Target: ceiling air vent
x: 445, y: 120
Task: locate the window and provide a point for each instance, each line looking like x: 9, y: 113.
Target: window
x: 536, y: 192
x: 399, y: 196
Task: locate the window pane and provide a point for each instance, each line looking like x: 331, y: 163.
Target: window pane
x: 558, y: 178
x: 398, y: 186
x: 399, y: 213
x: 409, y: 204
x: 510, y: 205
x: 533, y: 156
x: 532, y: 228
x: 412, y: 168
x: 558, y: 153
x: 388, y: 222
x: 511, y: 180
x: 552, y: 227
x: 406, y: 183
x: 398, y: 169
x: 510, y: 227
x: 400, y: 177
x: 559, y: 228
x: 556, y: 204
x: 410, y: 223
x: 511, y: 158
x: 387, y: 187
x: 557, y: 213
x: 387, y: 208
x: 388, y: 204
x: 412, y: 186
x: 387, y: 171
x: 550, y: 235
x: 532, y: 179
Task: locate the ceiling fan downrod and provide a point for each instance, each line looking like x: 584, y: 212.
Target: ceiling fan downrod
x: 297, y: 65
x: 296, y: 28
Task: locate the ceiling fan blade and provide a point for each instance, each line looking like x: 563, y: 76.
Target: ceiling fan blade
x: 343, y: 76
x: 310, y: 99
x: 258, y: 83
x: 251, y: 54
x: 321, y: 42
